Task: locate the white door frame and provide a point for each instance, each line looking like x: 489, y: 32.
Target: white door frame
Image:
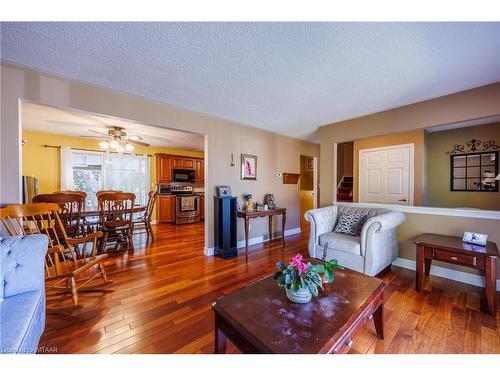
x: 334, y: 181
x: 315, y: 182
x: 411, y: 182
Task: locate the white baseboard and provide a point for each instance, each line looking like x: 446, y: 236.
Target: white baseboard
x: 446, y: 273
x: 209, y: 251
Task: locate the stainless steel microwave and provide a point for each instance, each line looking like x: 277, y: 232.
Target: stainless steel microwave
x: 183, y: 175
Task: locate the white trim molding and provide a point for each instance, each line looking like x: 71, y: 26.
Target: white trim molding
x: 209, y: 251
x: 439, y: 211
x: 447, y: 273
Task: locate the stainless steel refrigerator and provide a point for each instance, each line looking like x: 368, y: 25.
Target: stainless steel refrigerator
x: 30, y: 188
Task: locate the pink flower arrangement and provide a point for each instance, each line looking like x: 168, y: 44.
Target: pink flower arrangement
x: 298, y: 262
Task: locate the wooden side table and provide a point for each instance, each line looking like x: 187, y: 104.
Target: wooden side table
x: 453, y: 250
x: 247, y: 215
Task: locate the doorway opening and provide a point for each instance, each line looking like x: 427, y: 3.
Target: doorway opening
x: 66, y: 150
x: 308, y: 185
x: 345, y: 172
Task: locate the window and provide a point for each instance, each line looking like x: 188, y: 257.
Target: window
x: 88, y: 174
x: 474, y: 172
x: 91, y: 171
x: 128, y: 172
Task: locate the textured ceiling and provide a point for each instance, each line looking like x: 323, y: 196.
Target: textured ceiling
x: 72, y: 123
x: 285, y: 77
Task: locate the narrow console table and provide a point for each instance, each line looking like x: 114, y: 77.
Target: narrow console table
x: 247, y: 215
x: 453, y: 250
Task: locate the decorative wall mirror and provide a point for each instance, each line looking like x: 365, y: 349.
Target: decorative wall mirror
x: 474, y: 172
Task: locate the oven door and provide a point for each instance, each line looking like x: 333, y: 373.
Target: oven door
x: 187, y: 209
x: 183, y: 175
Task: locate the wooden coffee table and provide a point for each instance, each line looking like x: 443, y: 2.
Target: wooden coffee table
x: 260, y: 319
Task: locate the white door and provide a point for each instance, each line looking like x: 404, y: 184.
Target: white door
x: 386, y: 175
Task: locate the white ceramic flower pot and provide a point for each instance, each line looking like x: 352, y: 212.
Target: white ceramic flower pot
x: 303, y: 295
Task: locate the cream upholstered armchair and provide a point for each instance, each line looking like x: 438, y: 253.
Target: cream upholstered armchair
x: 370, y: 252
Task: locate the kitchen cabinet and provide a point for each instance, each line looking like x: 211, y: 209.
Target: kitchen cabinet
x: 163, y: 168
x: 178, y: 162
x: 165, y: 209
x: 199, y: 170
x: 165, y: 163
x: 188, y: 164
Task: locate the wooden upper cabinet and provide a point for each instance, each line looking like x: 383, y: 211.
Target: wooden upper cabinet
x: 177, y: 162
x: 199, y: 169
x: 189, y: 163
x: 163, y: 168
x: 165, y: 163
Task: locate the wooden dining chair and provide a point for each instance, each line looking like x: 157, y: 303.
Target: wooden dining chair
x: 88, y: 225
x: 64, y: 271
x: 71, y: 205
x: 116, y: 218
x: 142, y: 223
x: 100, y: 192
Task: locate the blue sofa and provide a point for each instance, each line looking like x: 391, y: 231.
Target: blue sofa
x: 22, y: 293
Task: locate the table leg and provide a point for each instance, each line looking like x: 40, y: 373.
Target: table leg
x: 428, y: 262
x: 270, y: 228
x: 419, y: 282
x: 220, y: 340
x: 490, y: 273
x: 246, y: 236
x: 378, y: 321
x: 283, y: 221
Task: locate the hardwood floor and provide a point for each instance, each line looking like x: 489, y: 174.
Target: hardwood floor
x: 160, y: 302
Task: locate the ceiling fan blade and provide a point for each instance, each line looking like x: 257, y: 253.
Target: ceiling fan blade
x: 134, y: 137
x: 138, y: 143
x: 95, y: 131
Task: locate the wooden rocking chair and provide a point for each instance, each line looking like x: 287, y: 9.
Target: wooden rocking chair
x: 64, y: 272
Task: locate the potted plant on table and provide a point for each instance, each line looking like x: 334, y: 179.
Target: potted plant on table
x: 301, y: 280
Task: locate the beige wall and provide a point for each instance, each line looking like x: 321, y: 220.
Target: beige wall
x: 437, y: 192
x: 416, y: 137
x: 467, y: 105
x: 276, y: 153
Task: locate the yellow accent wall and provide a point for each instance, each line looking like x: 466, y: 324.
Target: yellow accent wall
x: 44, y: 163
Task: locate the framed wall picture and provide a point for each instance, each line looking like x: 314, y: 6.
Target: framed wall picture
x: 248, y: 167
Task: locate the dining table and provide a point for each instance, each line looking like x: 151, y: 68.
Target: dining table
x: 94, y: 211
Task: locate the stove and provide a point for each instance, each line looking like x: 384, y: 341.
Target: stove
x: 187, y: 204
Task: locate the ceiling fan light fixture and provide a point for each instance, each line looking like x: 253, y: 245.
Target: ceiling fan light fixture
x: 129, y: 147
x: 114, y: 144
x: 104, y: 145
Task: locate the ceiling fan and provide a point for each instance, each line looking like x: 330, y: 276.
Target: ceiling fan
x: 117, y: 139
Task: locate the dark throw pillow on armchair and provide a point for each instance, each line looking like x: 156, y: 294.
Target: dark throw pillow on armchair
x: 350, y: 223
